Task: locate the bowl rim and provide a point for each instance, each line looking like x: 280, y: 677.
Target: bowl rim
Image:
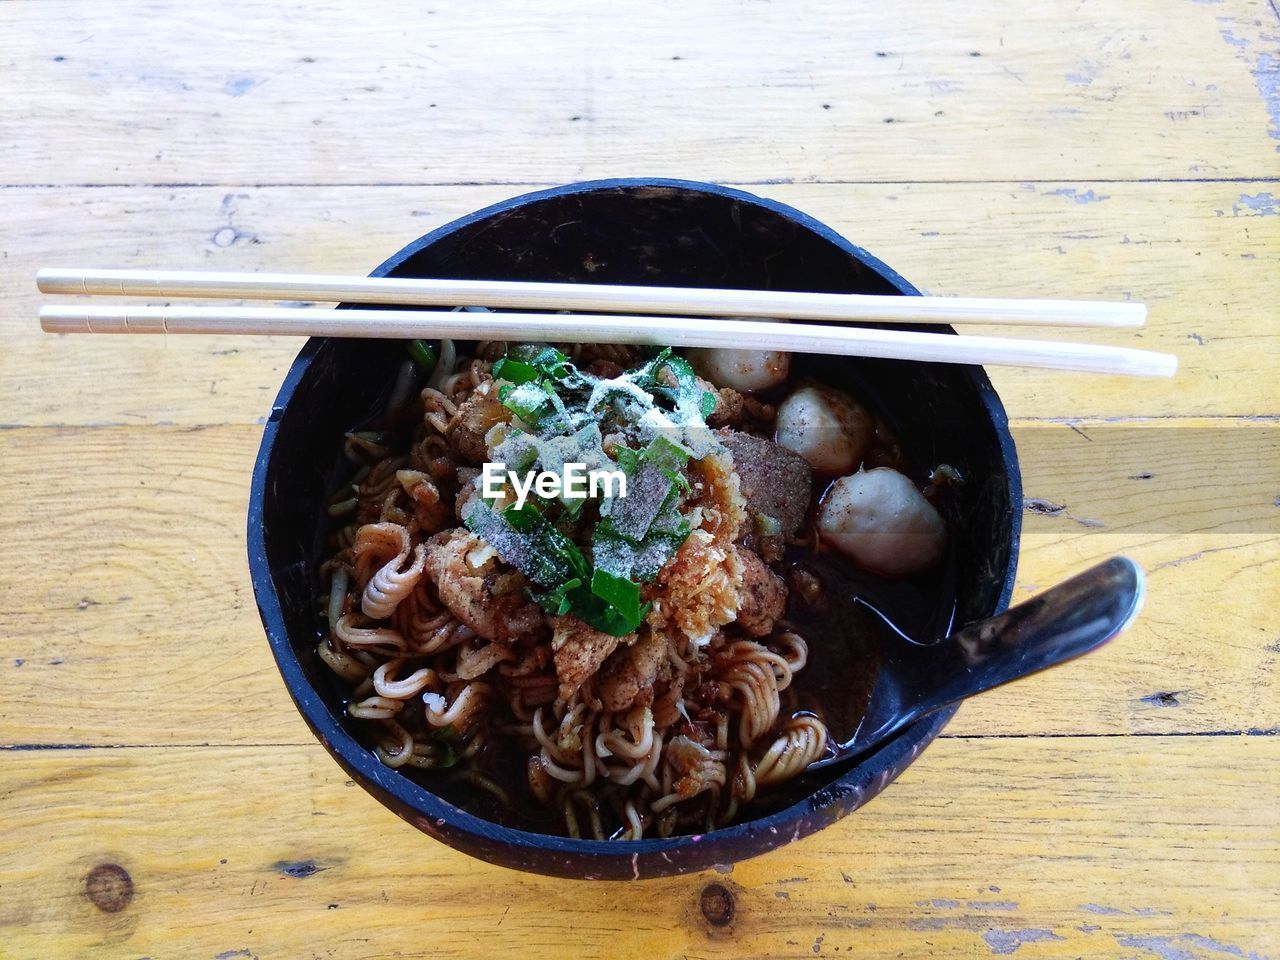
x: 431, y: 812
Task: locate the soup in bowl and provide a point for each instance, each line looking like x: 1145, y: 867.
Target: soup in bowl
x: 598, y: 610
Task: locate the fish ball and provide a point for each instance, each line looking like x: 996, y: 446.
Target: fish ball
x: 826, y: 428
x: 748, y: 371
x: 882, y: 522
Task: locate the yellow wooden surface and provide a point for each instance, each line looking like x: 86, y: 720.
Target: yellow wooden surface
x: 1125, y: 806
x: 1077, y: 846
x: 1205, y: 261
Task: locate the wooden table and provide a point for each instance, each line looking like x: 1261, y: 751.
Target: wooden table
x: 1123, y: 807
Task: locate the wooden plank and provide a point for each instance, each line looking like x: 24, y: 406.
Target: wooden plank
x: 1206, y: 257
x: 161, y: 598
x: 1050, y: 848
x: 1039, y: 825
x: 126, y: 582
x: 558, y: 92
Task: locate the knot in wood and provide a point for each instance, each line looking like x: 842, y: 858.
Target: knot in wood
x: 109, y: 887
x: 716, y: 904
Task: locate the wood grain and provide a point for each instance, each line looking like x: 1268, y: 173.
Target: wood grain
x: 140, y: 588
x: 1122, y: 807
x: 1206, y: 262
x: 558, y: 91
x: 1062, y: 847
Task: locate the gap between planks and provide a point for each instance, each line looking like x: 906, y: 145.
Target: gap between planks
x: 544, y: 184
x: 1082, y: 421
x: 301, y: 744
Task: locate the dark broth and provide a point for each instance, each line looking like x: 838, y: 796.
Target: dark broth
x: 858, y: 617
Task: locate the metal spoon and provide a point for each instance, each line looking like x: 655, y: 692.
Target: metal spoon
x: 1066, y: 621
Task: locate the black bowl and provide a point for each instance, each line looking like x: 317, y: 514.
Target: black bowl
x: 666, y: 232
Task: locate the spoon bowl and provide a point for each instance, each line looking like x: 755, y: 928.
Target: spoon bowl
x: 914, y: 680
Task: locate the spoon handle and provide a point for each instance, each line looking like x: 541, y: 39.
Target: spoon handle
x: 1060, y: 624
x: 1064, y: 622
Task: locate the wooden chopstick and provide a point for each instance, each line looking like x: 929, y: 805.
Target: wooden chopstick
x: 593, y: 298
x: 610, y: 328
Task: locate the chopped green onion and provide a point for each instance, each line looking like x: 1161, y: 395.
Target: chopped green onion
x: 450, y: 758
x: 534, y: 403
x: 556, y: 601
x: 548, y: 541
x: 767, y: 526
x: 629, y: 461
x: 621, y: 593
x: 515, y: 371
x: 423, y: 354
x: 685, y: 397
x: 527, y: 541
x: 446, y: 737
x: 547, y: 361
x: 655, y: 482
x: 597, y: 612
x: 661, y: 452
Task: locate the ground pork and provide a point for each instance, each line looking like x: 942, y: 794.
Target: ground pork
x: 475, y: 418
x: 578, y: 650
x: 762, y: 598
x: 626, y: 678
x: 480, y: 590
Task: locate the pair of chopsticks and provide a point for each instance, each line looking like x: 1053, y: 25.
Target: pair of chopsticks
x: 668, y: 316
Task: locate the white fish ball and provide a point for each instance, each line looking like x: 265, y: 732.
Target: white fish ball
x: 825, y: 427
x: 748, y: 371
x: 881, y: 521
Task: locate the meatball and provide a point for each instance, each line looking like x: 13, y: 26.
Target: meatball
x: 774, y: 482
x: 882, y: 522
x: 826, y: 428
x: 747, y: 370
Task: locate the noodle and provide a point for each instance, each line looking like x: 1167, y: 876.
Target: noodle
x: 803, y: 740
x: 425, y: 624
x: 387, y: 686
x: 349, y: 633
x: 673, y: 727
x: 389, y: 585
